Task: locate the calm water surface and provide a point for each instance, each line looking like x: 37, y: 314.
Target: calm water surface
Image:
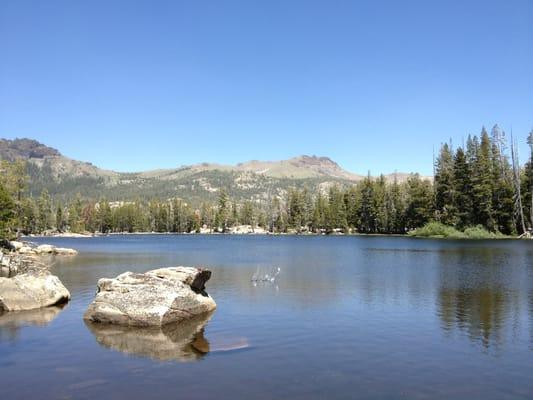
x: 348, y: 317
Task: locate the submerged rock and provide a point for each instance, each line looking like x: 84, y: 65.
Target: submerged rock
x: 155, y: 298
x: 26, y: 284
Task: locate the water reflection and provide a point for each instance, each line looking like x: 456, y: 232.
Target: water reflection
x: 388, y: 316
x: 481, y: 313
x: 477, y: 288
x: 178, y: 342
x: 479, y: 295
x: 12, y: 322
x: 531, y: 317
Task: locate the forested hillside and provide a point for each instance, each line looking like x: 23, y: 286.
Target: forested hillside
x: 481, y: 184
x: 65, y: 179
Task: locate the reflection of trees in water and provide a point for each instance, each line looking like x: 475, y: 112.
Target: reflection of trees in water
x: 481, y: 313
x: 479, y: 295
x: 531, y: 316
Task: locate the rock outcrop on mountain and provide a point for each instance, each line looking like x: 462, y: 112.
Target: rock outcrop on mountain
x: 252, y: 180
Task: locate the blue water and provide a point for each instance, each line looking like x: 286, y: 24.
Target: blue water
x: 348, y: 317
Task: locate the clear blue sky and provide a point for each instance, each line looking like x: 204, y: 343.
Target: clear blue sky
x: 375, y: 85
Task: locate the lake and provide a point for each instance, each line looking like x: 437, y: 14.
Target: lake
x: 347, y: 318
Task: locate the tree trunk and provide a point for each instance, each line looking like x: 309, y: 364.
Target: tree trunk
x: 516, y: 174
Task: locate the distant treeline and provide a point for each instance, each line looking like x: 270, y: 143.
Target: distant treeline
x: 478, y: 184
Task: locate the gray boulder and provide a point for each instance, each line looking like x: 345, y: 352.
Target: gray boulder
x: 26, y: 284
x: 155, y: 298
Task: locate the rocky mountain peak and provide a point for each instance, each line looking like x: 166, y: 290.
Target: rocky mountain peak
x: 25, y: 148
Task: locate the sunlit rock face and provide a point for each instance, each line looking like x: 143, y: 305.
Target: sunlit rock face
x: 43, y: 249
x: 26, y: 284
x: 154, y: 298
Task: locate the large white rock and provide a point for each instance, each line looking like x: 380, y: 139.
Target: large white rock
x: 17, y: 245
x: 50, y: 249
x: 31, y: 287
x: 64, y: 251
x: 45, y: 249
x: 154, y: 298
x: 26, y: 250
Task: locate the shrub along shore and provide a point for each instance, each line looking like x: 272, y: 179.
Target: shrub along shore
x: 438, y: 230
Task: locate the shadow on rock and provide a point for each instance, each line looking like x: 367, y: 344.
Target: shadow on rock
x: 183, y: 341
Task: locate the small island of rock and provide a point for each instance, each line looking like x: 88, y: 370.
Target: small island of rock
x: 154, y: 298
x: 26, y: 284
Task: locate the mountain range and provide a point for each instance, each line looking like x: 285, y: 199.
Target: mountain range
x: 64, y: 177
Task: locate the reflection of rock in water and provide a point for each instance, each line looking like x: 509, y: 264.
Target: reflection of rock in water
x: 183, y: 341
x: 12, y: 322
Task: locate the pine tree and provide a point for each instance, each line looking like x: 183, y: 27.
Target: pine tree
x: 336, y: 216
x: 518, y: 205
x: 89, y: 220
x: 295, y: 209
x: 395, y: 208
x: 319, y: 213
x: 104, y: 216
x: 502, y: 185
x: 444, y: 187
x: 234, y: 218
x: 528, y: 182
x: 420, y: 206
x: 248, y: 214
x: 462, y: 189
x: 44, y: 212
x: 351, y: 200
x: 74, y: 219
x: 28, y: 222
x: 482, y: 183
x: 380, y: 206
x: 367, y: 213
x: 223, y: 210
x: 7, y: 212
x: 59, y: 218
x: 209, y: 217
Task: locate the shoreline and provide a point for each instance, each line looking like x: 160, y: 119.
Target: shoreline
x: 261, y: 233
